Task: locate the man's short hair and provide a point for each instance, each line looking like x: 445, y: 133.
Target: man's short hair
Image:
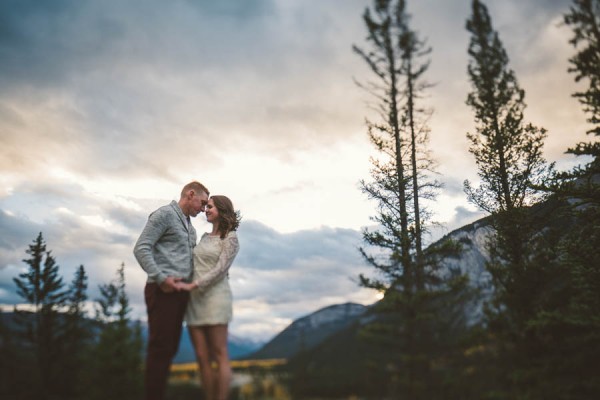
x: 196, y: 187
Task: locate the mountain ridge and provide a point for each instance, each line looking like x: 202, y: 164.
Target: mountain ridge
x: 307, y: 332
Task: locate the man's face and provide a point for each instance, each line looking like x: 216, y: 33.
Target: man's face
x: 198, y: 203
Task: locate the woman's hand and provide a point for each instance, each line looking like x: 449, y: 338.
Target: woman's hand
x: 186, y: 286
x: 169, y: 285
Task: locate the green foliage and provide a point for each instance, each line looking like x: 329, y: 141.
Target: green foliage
x: 507, y: 151
x: 541, y: 337
x: 54, y: 351
x: 567, y: 324
x: 42, y: 288
x: 419, y: 335
x: 508, y: 154
x: 565, y: 330
x: 16, y: 374
x: 117, y: 362
x: 185, y: 391
x: 331, y: 370
x: 391, y: 185
x: 78, y: 332
x: 407, y: 322
x: 584, y: 19
x: 509, y: 161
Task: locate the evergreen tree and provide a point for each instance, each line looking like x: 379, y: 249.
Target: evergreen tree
x: 13, y: 368
x: 42, y: 288
x: 508, y: 154
x: 391, y: 187
x: 391, y: 182
x: 5, y: 378
x: 77, y: 336
x: 567, y: 324
x: 413, y: 50
x: 117, y: 369
x: 76, y: 298
x: 584, y: 18
x: 409, y: 316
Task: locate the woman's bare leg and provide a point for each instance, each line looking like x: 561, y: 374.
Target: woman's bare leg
x: 217, y: 343
x: 203, y: 357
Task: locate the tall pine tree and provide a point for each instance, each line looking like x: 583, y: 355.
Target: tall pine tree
x: 584, y: 19
x: 15, y: 364
x: 507, y: 151
x: 117, y: 369
x: 77, y: 338
x: 508, y: 154
x: 409, y: 316
x: 42, y: 289
x: 567, y: 324
x: 413, y: 66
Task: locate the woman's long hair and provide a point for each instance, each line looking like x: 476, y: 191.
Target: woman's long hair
x: 229, y: 218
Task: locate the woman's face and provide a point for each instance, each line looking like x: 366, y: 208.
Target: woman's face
x: 212, y: 213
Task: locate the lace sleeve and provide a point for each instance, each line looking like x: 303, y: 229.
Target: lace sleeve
x: 231, y: 247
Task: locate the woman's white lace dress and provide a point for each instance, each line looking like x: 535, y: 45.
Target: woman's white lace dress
x: 211, y: 302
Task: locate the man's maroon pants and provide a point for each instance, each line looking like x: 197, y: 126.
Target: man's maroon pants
x: 165, y: 316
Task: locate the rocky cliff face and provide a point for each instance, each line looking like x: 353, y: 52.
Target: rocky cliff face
x: 329, y: 316
x: 472, y: 260
x: 308, y: 331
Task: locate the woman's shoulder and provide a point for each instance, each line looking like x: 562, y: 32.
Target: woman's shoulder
x: 230, y: 235
x: 232, y: 240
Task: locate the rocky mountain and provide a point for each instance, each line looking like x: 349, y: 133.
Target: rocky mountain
x: 342, y: 363
x: 307, y: 332
x: 343, y: 320
x: 471, y: 261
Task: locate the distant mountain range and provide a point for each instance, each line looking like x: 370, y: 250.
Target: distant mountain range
x: 309, y: 331
x: 335, y: 328
x: 237, y: 347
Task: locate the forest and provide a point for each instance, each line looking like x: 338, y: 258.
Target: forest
x: 539, y: 333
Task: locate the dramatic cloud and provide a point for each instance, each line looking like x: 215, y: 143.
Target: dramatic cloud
x: 107, y: 108
x: 190, y: 73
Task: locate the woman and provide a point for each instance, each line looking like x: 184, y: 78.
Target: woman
x: 209, y: 310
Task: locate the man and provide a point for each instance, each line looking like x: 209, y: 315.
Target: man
x: 164, y: 250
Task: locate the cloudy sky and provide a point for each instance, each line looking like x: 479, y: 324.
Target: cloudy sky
x: 108, y: 107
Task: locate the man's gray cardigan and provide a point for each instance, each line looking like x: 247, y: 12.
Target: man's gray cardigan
x: 165, y: 247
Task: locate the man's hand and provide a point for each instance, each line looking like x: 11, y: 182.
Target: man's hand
x: 170, y: 285
x: 187, y: 286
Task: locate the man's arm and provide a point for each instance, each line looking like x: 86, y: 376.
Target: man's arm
x: 153, y: 231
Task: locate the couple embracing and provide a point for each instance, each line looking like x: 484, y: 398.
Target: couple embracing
x: 189, y: 281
